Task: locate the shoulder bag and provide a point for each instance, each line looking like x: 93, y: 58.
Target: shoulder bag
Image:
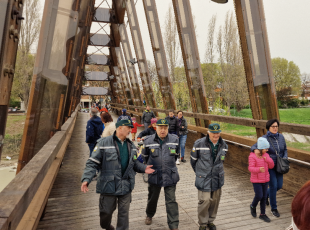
x: 283, y: 164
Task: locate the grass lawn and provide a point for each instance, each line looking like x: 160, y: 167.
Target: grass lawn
x: 13, y: 137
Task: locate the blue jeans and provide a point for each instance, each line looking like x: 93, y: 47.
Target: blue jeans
x: 182, y: 141
x: 260, y: 190
x: 275, y: 184
x: 146, y: 125
x: 91, y: 148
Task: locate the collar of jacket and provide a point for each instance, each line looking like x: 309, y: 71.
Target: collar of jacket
x: 115, y: 138
x: 220, y: 141
x: 148, y: 111
x: 274, y: 135
x: 156, y: 138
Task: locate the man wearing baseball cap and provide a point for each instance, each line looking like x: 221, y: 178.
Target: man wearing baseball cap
x: 207, y: 158
x: 160, y: 150
x: 116, y: 157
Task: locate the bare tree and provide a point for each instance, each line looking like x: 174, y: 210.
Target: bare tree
x: 210, y: 69
x: 231, y: 64
x: 172, y: 45
x: 25, y: 60
x: 305, y: 84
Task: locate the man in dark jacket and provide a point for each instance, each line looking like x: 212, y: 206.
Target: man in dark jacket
x: 94, y: 130
x: 116, y: 157
x: 161, y: 150
x: 124, y: 116
x: 146, y: 117
x: 207, y: 157
x: 173, y: 123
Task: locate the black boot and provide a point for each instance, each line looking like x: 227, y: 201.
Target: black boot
x: 183, y: 160
x: 267, y: 201
x: 253, y: 211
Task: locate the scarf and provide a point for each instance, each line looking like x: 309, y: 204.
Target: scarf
x: 273, y: 135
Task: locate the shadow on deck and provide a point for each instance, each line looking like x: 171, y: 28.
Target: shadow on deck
x: 69, y: 208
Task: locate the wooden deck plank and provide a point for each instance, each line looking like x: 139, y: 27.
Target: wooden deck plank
x: 68, y: 208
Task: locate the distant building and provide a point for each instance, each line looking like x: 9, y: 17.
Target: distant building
x: 85, y: 101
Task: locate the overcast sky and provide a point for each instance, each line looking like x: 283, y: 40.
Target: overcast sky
x: 287, y: 26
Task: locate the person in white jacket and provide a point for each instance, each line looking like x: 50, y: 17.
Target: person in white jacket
x: 109, y: 125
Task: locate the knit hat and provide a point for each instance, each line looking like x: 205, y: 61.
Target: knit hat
x: 124, y: 110
x: 153, y: 120
x: 133, y: 118
x: 262, y: 143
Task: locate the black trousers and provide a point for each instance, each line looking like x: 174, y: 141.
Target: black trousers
x: 107, y: 205
x: 171, y: 204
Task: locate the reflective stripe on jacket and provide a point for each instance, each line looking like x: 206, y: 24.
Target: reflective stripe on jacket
x: 106, y: 159
x: 162, y: 158
x: 209, y: 175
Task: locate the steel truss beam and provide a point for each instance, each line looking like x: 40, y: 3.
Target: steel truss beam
x: 188, y: 42
x: 9, y: 36
x: 257, y: 61
x: 165, y: 84
x: 140, y: 53
x: 131, y: 69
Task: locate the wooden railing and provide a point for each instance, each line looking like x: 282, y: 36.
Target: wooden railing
x: 23, y: 200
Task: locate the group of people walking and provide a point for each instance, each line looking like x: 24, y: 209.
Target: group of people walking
x: 115, y: 157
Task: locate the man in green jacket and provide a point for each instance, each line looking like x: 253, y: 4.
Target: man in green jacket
x: 116, y: 158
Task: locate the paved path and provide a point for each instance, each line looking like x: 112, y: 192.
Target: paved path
x: 69, y: 208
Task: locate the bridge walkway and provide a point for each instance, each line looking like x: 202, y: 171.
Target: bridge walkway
x: 69, y: 208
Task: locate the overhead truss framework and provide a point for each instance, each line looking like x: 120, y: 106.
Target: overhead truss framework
x: 59, y: 67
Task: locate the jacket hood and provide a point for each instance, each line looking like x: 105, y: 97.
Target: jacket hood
x: 95, y: 120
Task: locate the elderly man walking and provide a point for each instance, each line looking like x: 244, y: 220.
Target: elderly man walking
x: 207, y: 158
x: 147, y: 117
x: 116, y: 157
x: 160, y: 150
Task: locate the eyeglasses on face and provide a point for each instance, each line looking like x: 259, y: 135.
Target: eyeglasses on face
x: 274, y: 126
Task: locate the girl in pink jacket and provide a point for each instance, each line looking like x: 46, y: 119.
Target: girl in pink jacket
x: 258, y: 166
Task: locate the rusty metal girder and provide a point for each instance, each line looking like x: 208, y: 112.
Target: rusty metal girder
x: 189, y: 47
x: 165, y: 84
x: 140, y: 53
x: 59, y: 24
x: 257, y: 61
x: 77, y: 54
x: 124, y: 77
x: 10, y: 23
x: 120, y: 7
x: 131, y: 69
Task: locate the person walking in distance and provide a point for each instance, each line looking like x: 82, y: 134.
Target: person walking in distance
x: 160, y: 150
x: 147, y: 116
x: 116, y: 157
x: 124, y: 116
x: 207, y: 158
x: 94, y: 130
x: 259, y: 163
x: 173, y: 123
x: 182, y: 129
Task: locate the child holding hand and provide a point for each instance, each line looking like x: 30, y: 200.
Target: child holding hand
x: 134, y: 130
x: 259, y: 163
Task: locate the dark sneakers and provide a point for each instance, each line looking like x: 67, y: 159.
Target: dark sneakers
x: 253, y: 211
x: 111, y: 228
x: 264, y: 218
x: 183, y: 160
x: 211, y: 226
x: 203, y: 228
x: 275, y: 212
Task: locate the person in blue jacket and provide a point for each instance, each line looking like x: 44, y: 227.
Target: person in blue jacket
x: 94, y: 130
x: 277, y: 146
x: 124, y: 116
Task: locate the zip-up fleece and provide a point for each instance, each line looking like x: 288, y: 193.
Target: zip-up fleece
x: 106, y: 158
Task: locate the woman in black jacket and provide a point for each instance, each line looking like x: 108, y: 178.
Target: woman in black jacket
x: 149, y: 131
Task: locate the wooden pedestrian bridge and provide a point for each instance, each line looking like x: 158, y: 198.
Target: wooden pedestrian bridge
x: 46, y: 193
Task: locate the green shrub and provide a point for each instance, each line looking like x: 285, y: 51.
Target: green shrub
x: 304, y: 102
x: 293, y: 103
x: 14, y: 103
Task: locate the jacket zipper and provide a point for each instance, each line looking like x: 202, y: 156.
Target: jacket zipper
x: 277, y: 145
